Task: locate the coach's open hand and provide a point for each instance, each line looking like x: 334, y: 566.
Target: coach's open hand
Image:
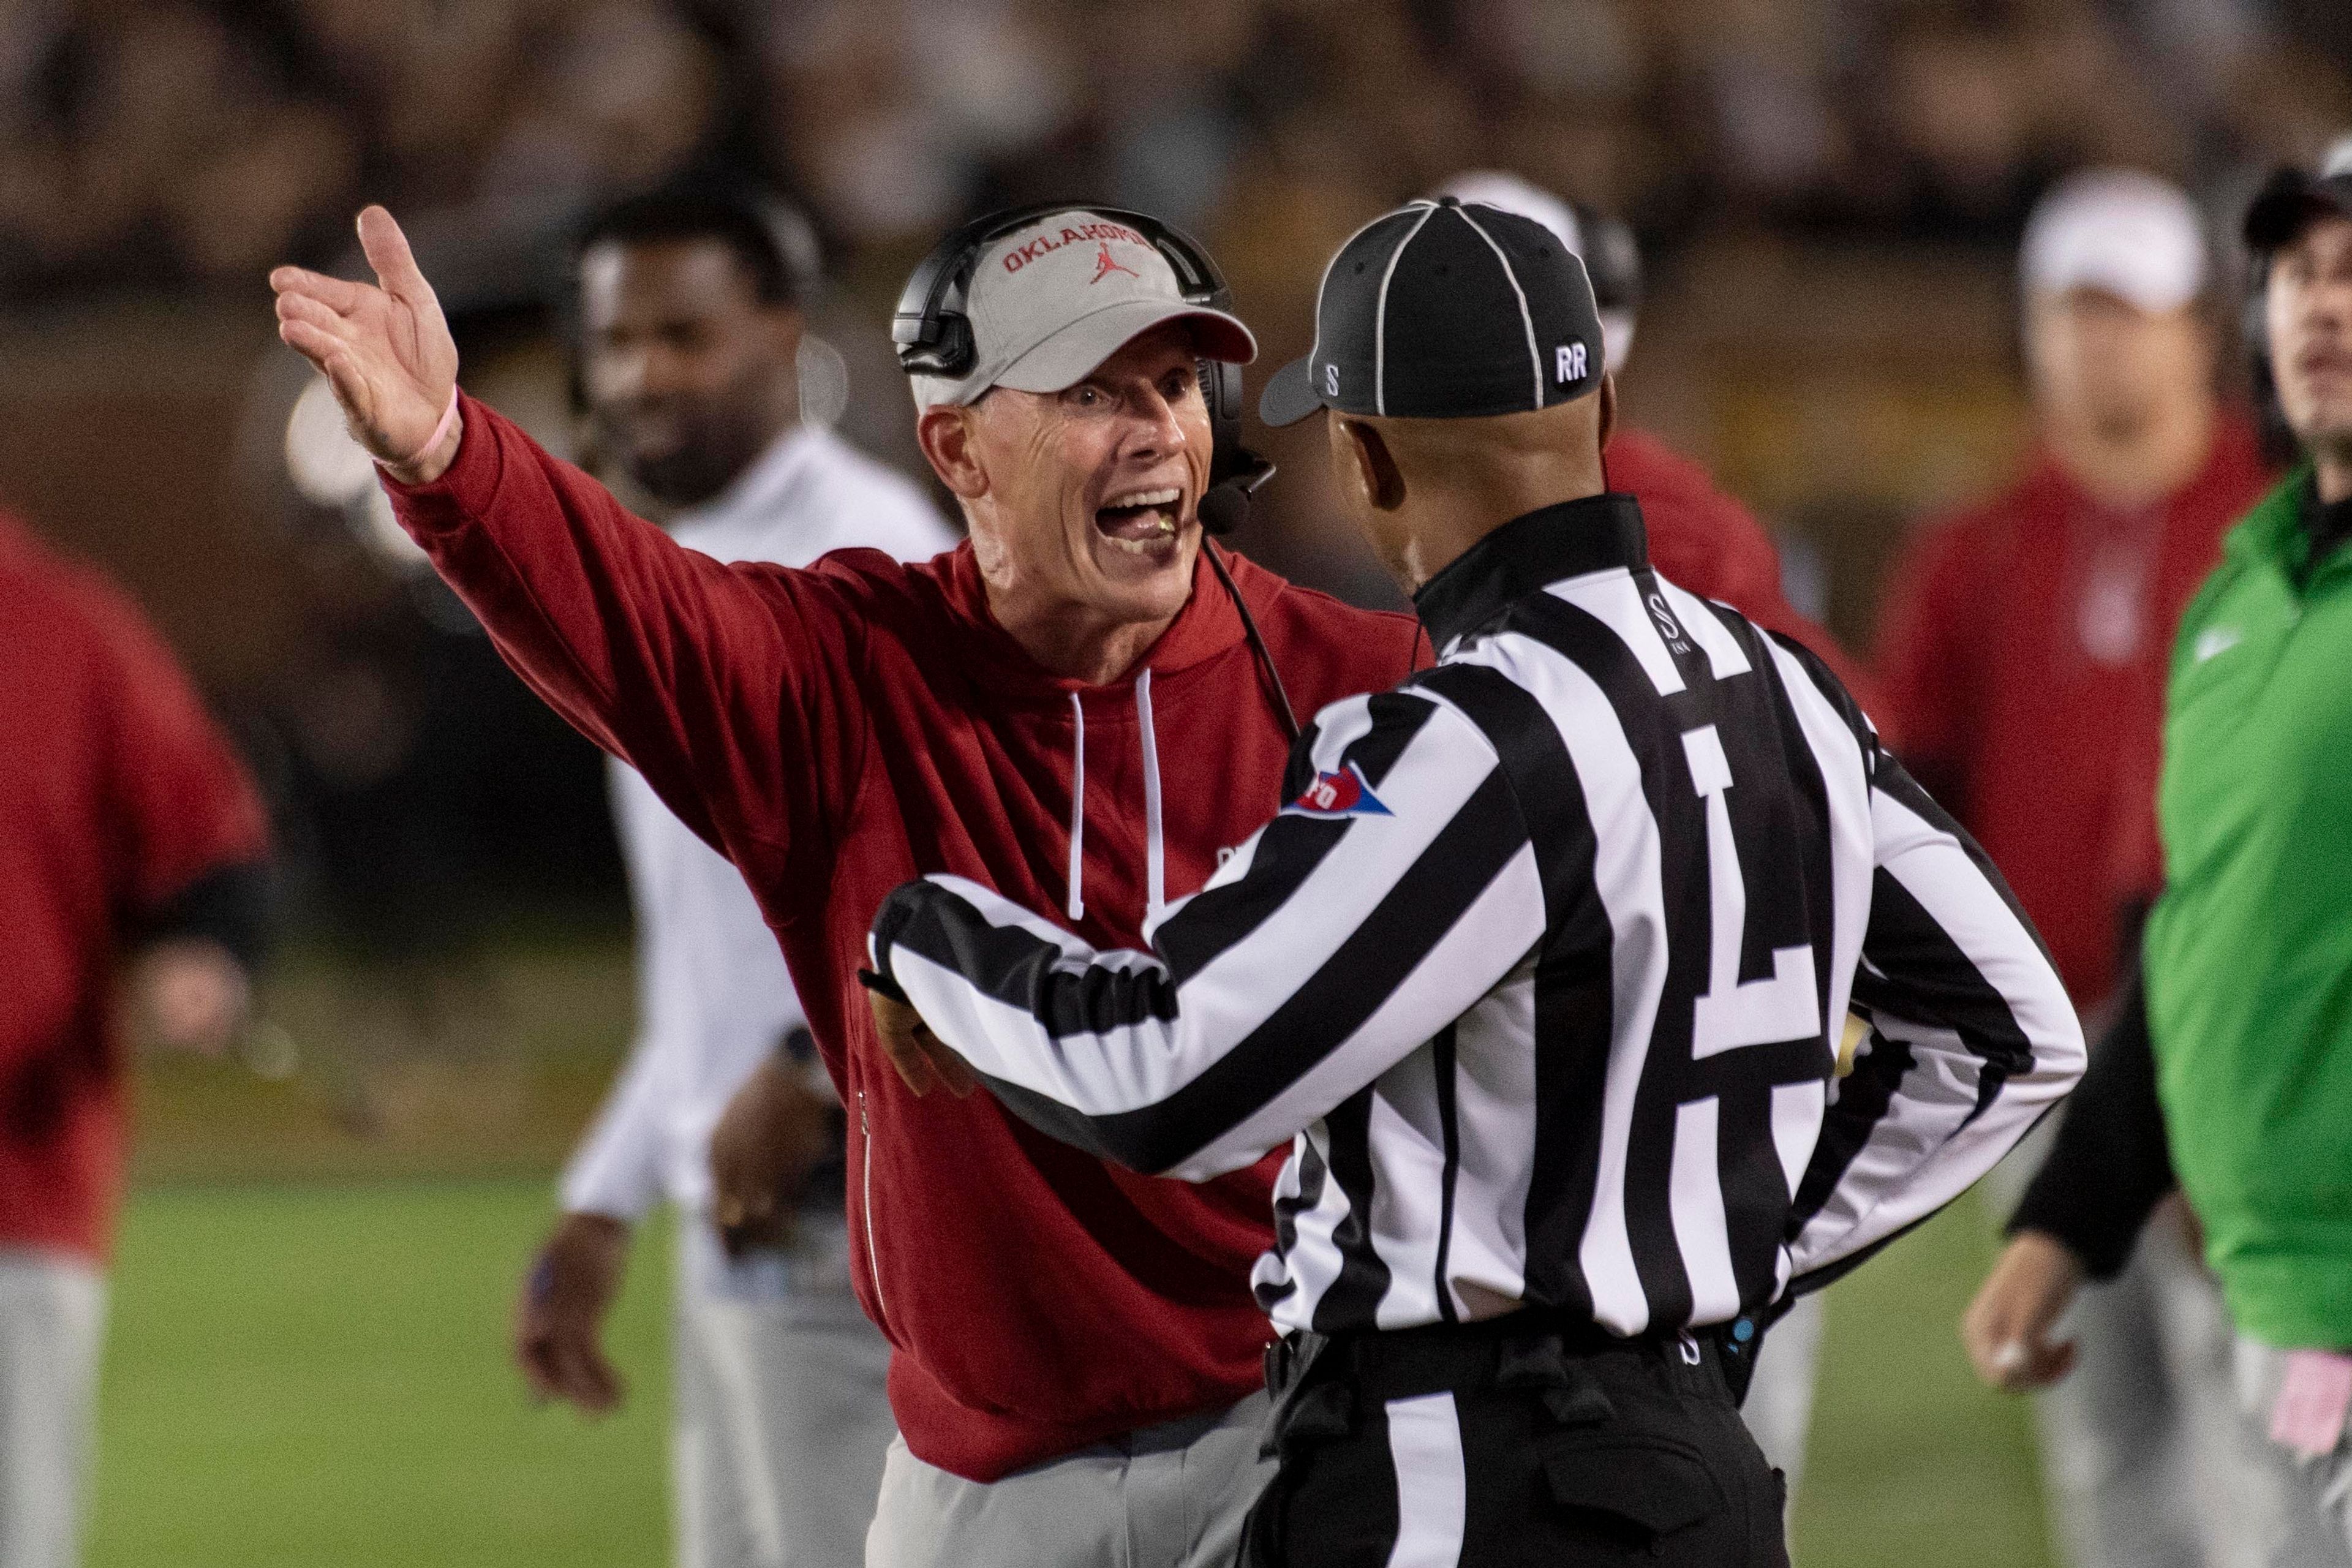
x: 922, y: 1061
x: 385, y: 350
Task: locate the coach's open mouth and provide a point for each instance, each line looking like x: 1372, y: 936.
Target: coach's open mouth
x: 1143, y: 521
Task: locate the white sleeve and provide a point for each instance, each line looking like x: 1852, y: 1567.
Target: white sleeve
x: 1971, y: 1037
x: 616, y: 1168
x: 1369, y: 914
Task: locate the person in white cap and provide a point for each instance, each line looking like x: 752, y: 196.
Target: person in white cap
x: 2022, y: 646
x: 1058, y: 708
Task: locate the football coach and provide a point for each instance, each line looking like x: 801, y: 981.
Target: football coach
x: 1545, y: 969
x: 1059, y: 709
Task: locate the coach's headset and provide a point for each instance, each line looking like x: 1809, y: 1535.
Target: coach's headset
x: 933, y: 337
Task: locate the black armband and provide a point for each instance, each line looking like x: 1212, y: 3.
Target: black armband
x: 2112, y: 1162
x: 231, y: 905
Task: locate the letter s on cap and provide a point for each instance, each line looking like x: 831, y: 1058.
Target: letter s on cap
x: 1330, y: 381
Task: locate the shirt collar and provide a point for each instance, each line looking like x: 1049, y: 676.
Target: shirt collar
x: 1528, y: 555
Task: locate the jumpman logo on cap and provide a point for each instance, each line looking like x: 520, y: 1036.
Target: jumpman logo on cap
x: 1105, y: 264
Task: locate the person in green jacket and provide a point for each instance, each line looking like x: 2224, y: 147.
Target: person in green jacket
x: 2231, y: 1071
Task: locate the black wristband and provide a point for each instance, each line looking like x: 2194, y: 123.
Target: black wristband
x: 230, y: 905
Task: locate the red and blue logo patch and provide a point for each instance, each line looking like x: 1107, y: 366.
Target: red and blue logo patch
x: 1342, y: 794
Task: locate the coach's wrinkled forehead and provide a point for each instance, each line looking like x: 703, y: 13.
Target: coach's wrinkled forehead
x: 1049, y: 302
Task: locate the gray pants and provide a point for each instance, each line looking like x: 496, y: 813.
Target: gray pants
x: 2138, y: 1448
x: 2293, y: 1511
x: 782, y: 1414
x: 1171, y: 1496
x: 52, y: 1322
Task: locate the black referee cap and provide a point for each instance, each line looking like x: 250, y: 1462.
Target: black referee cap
x: 1446, y: 309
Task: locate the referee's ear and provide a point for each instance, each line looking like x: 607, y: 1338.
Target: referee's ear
x: 1608, y: 407
x: 1375, y: 475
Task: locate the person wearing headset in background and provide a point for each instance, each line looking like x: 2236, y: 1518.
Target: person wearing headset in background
x: 1066, y: 707
x: 691, y: 306
x: 1706, y: 541
x: 2023, y: 643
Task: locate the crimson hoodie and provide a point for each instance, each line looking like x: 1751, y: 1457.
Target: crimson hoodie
x: 118, y: 796
x: 842, y: 729
x: 2024, y: 645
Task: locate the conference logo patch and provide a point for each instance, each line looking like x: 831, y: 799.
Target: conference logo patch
x: 1343, y: 793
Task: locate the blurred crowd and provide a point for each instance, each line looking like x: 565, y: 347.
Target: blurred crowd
x: 171, y: 150
x: 152, y: 141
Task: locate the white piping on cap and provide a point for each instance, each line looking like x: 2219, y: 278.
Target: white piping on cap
x: 1535, y: 354
x: 1380, y: 312
x: 1077, y: 903
x: 1155, y: 855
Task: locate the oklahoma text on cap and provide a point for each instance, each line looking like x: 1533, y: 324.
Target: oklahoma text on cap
x: 1050, y: 302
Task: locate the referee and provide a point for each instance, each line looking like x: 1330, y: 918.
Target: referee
x: 1546, y: 968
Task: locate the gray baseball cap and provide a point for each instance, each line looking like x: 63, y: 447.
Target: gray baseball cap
x: 1049, y: 302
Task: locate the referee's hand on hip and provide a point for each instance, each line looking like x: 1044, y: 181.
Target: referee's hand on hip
x: 923, y: 1063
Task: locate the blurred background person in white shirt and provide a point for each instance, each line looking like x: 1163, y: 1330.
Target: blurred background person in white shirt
x: 691, y: 304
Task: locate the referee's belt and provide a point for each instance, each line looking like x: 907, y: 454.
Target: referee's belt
x: 1315, y: 1380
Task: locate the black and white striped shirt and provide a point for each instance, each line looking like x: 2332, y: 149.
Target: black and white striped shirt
x: 1547, y: 968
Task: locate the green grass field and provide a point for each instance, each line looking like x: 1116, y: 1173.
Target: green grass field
x: 299, y: 1376
x: 315, y: 1373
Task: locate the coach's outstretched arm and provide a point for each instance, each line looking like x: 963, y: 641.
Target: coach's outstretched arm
x: 385, y: 350
x: 1369, y: 914
x: 709, y: 682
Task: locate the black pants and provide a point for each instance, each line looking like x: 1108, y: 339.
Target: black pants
x: 1510, y: 1442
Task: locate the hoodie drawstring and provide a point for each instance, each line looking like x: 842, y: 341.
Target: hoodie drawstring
x: 1155, y: 860
x: 1077, y: 905
x: 1155, y: 844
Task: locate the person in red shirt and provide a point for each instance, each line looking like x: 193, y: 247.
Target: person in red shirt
x: 2022, y: 648
x: 1057, y: 708
x: 1066, y: 707
x: 132, y: 867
